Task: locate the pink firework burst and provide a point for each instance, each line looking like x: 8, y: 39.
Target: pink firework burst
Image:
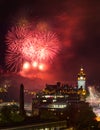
x: 42, y: 46
x: 30, y: 45
x: 16, y: 37
x: 14, y: 61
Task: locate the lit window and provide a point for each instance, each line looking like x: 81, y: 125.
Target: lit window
x: 44, y: 101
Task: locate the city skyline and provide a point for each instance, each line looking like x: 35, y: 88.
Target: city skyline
x: 77, y: 26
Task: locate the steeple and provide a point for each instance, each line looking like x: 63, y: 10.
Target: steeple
x: 81, y: 78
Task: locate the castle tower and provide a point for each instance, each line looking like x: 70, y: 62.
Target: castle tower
x: 81, y: 79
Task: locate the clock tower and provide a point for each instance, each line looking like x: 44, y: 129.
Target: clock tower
x: 81, y: 79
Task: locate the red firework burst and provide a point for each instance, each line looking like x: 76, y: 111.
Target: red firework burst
x: 42, y: 46
x: 16, y: 37
x: 14, y: 61
x: 30, y: 45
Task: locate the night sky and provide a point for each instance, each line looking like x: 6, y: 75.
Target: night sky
x: 77, y: 25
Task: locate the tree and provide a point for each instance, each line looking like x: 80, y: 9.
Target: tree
x: 10, y: 114
x: 5, y: 114
x: 81, y: 116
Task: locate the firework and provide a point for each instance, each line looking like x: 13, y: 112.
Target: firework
x: 35, y: 64
x: 15, y: 37
x: 42, y: 46
x: 30, y: 45
x: 26, y: 66
x: 94, y: 100
x: 41, y: 67
x: 14, y: 61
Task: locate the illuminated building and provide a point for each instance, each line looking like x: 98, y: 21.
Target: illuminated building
x: 81, y: 79
x: 59, y: 97
x: 56, y: 98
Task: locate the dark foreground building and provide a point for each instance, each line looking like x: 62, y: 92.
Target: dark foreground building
x: 57, y: 98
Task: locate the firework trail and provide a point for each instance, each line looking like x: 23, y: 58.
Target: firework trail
x: 94, y: 100
x: 14, y: 61
x: 25, y: 44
